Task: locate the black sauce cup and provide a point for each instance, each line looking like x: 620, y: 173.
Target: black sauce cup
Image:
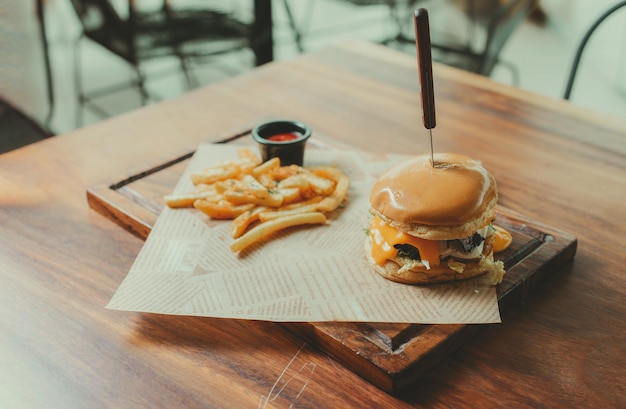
x: 283, y: 139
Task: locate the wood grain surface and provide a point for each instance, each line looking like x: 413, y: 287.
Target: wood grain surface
x: 60, y: 261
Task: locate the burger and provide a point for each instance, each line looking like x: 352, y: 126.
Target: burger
x: 432, y: 221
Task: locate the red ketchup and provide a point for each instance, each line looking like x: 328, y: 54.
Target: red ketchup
x: 284, y: 137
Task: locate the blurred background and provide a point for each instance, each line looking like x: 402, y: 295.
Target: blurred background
x: 532, y: 48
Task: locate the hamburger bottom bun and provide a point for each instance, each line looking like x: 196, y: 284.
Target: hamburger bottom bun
x: 450, y: 269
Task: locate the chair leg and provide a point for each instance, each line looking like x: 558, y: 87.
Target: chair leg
x: 190, y: 79
x: 299, y: 28
x: 297, y: 33
x: 78, y: 82
x: 515, y: 76
x: 140, y: 83
x: 83, y: 100
x: 399, y: 19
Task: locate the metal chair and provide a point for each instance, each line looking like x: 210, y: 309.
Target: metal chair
x: 471, y: 41
x: 581, y: 47
x: 472, y: 38
x: 489, y: 29
x: 184, y: 34
x: 300, y: 27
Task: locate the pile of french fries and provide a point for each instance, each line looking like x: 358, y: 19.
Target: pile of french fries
x: 263, y: 198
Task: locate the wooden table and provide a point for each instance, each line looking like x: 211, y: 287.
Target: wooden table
x: 60, y: 262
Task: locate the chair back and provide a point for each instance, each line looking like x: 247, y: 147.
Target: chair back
x: 499, y: 29
x: 474, y: 39
x: 96, y: 14
x: 102, y: 23
x: 583, y: 44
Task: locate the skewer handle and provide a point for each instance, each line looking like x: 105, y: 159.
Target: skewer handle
x: 425, y: 67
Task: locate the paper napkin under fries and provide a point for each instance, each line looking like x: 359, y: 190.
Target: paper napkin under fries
x: 302, y: 274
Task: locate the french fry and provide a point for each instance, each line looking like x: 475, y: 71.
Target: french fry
x: 333, y: 201
x: 266, y: 167
x: 253, y: 186
x: 239, y: 197
x: 201, y: 191
x: 204, y: 187
x: 290, y: 195
x: 246, y: 153
x: 267, y: 180
x: 309, y: 184
x: 289, y: 209
x: 276, y: 214
x: 222, y: 209
x: 187, y: 200
x: 312, y: 200
x: 263, y: 230
x: 328, y: 172
x: 322, y: 186
x: 215, y: 174
x: 228, y: 184
x: 283, y: 172
x: 262, y: 198
x: 246, y: 167
x: 297, y: 181
x: 244, y: 220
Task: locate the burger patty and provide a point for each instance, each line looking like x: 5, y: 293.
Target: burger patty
x: 408, y: 256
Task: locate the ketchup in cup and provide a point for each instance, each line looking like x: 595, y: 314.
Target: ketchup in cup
x: 284, y: 139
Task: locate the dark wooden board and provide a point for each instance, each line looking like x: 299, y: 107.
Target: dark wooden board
x: 391, y: 356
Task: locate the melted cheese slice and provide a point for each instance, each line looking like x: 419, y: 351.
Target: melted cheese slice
x: 502, y: 240
x: 384, y: 237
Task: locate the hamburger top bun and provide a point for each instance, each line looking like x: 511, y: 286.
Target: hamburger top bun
x: 447, y: 201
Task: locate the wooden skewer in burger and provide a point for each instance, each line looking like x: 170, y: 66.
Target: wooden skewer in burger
x: 433, y: 214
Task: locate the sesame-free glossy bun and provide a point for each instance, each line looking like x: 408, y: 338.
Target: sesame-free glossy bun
x: 449, y: 200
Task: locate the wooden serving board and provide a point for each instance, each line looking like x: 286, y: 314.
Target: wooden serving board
x: 391, y: 356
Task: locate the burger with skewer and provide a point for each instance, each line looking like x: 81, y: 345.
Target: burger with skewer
x: 433, y: 221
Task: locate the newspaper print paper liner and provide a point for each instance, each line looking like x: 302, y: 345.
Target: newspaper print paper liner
x: 304, y: 274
